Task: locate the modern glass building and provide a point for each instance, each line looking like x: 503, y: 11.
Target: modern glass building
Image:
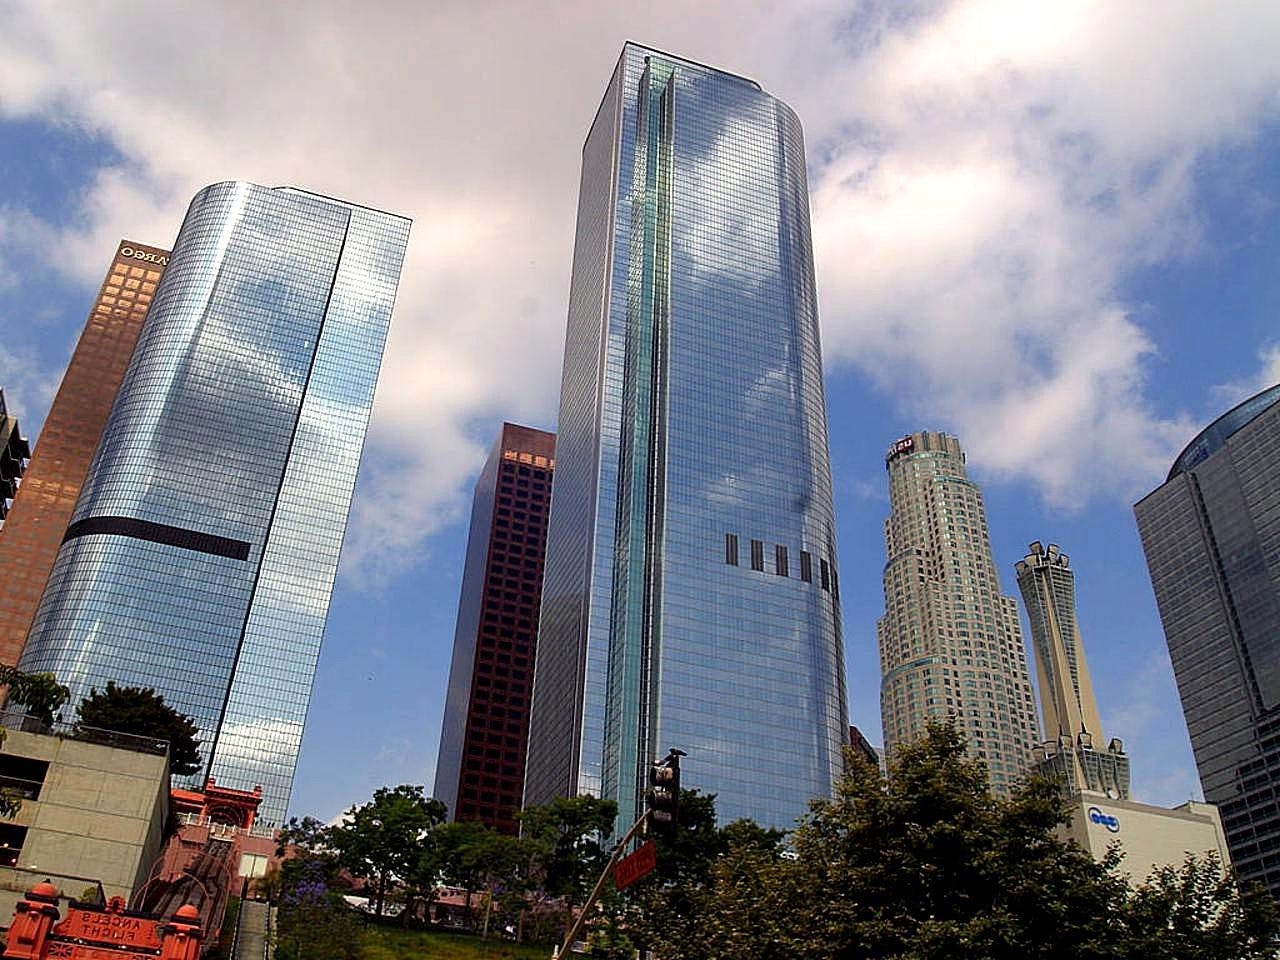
x: 950, y: 641
x: 203, y: 546
x: 1211, y: 533
x: 485, y: 732
x: 691, y: 596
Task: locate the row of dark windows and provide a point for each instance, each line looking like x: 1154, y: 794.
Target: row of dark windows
x: 781, y: 561
x: 162, y: 533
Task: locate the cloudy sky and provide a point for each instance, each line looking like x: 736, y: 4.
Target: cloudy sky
x: 1049, y: 230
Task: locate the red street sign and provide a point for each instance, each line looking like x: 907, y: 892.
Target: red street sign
x: 636, y: 865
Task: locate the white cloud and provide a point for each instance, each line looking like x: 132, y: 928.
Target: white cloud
x: 985, y: 174
x: 28, y: 387
x: 1011, y: 164
x: 1266, y: 375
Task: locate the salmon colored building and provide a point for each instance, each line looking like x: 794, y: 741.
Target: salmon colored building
x: 33, y: 531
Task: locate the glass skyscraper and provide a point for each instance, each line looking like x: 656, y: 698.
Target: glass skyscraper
x: 1211, y: 534
x: 691, y: 597
x: 202, y: 549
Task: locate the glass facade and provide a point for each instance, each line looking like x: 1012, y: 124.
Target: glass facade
x: 31, y: 536
x: 203, y: 546
x: 950, y: 642
x: 1211, y: 534
x: 692, y: 419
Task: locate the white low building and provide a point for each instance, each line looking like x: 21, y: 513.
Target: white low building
x: 1149, y: 836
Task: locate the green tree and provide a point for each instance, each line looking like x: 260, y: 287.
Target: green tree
x: 1195, y: 913
x: 567, y: 852
x: 667, y: 906
x: 307, y: 838
x: 567, y: 836
x: 39, y: 693
x: 928, y: 865
x: 313, y: 922
x: 142, y: 712
x: 382, y: 841
x: 476, y: 857
x: 462, y: 855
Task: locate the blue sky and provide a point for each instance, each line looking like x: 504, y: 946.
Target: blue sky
x: 1052, y: 232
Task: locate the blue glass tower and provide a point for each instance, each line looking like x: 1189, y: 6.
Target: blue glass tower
x: 202, y: 550
x: 690, y: 597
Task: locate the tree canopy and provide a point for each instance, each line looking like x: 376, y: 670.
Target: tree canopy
x: 382, y: 840
x: 313, y: 920
x: 568, y: 835
x: 928, y: 865
x: 923, y: 865
x: 40, y: 693
x: 142, y: 712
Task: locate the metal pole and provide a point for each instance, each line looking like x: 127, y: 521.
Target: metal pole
x: 595, y: 893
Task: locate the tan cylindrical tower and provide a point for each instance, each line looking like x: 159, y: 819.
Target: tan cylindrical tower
x: 950, y: 641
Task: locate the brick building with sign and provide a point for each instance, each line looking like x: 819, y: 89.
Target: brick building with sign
x: 33, y: 531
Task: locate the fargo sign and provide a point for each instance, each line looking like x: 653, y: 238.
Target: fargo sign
x: 134, y: 253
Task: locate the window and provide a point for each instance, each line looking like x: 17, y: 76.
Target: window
x: 22, y: 775
x: 12, y: 838
x: 253, y: 865
x: 780, y: 564
x: 731, y: 548
x: 825, y: 571
x: 806, y: 566
x: 757, y: 555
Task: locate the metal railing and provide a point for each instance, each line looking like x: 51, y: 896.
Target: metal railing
x: 225, y: 830
x: 21, y: 788
x: 234, y: 950
x: 17, y: 720
x: 83, y: 889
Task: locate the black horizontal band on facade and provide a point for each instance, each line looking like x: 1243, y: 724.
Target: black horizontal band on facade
x: 159, y: 533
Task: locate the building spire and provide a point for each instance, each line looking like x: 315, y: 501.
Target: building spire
x: 1068, y: 709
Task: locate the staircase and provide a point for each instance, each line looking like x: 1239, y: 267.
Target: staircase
x: 251, y: 937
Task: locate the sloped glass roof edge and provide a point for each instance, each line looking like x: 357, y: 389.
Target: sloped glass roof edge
x: 1213, y: 437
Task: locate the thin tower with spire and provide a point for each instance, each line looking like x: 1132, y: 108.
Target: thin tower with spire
x: 1068, y: 708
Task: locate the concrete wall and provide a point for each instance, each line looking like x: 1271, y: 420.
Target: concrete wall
x: 1150, y: 837
x: 101, y: 814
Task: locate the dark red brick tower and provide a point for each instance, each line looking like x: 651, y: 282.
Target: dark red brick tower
x: 480, y: 771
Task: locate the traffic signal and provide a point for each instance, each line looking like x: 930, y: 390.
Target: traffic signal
x: 664, y: 791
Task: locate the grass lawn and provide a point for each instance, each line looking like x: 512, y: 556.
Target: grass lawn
x: 388, y: 943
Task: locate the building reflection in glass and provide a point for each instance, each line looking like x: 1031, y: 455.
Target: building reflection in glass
x: 691, y: 596
x: 203, y: 547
